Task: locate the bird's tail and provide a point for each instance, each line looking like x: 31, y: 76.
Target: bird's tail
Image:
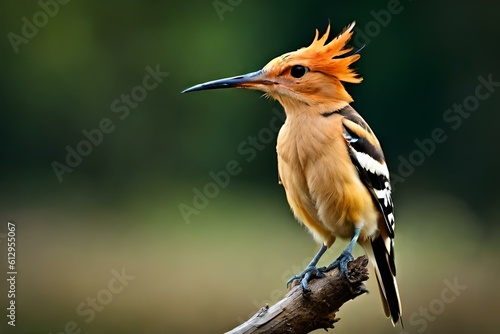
x: 385, y: 271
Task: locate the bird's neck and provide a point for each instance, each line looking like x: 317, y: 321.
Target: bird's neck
x: 294, y: 108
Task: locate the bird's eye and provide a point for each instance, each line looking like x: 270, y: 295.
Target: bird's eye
x: 298, y: 71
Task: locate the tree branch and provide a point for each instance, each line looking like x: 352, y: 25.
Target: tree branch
x: 299, y: 314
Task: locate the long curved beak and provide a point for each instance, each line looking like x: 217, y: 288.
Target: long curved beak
x: 250, y: 80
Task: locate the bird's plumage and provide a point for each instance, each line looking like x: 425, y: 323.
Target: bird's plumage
x: 329, y: 160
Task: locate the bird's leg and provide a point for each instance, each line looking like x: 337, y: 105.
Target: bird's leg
x: 311, y: 271
x: 346, y: 255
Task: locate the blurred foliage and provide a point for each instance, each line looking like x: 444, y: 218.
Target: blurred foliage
x: 119, y: 205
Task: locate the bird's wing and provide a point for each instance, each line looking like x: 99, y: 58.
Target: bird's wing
x: 368, y: 158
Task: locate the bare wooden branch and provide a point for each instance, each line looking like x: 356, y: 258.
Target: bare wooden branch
x: 299, y: 314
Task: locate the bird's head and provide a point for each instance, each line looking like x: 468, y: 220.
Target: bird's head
x: 310, y: 76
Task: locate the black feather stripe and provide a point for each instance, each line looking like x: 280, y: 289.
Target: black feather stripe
x: 349, y: 113
x: 391, y: 258
x: 363, y: 145
x: 387, y: 277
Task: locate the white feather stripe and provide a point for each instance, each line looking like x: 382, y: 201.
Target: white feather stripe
x: 385, y: 195
x: 390, y: 217
x: 372, y: 165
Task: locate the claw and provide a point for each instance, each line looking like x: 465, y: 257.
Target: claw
x: 307, y: 275
x: 341, y: 262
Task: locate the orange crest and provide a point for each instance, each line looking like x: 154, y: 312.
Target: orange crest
x: 325, y: 57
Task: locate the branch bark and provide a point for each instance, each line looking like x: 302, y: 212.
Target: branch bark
x: 299, y: 314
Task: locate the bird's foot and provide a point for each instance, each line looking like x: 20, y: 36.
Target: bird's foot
x: 341, y: 263
x: 307, y: 275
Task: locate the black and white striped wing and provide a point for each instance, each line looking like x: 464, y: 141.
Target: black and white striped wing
x: 373, y: 171
x: 369, y: 160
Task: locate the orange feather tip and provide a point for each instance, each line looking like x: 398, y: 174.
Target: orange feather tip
x: 326, y: 56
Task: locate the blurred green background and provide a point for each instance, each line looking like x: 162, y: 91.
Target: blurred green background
x: 119, y: 209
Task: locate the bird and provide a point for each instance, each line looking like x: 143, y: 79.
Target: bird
x: 330, y: 162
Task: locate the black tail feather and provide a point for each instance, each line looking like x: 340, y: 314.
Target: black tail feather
x: 386, y: 278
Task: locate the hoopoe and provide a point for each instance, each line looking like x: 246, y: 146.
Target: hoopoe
x: 329, y: 161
